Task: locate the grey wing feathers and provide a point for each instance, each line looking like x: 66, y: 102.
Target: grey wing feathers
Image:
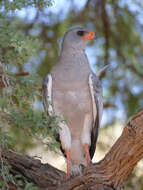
x: 97, y: 92
x: 47, y: 102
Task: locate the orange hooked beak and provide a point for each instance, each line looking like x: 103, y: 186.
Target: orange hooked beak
x: 89, y: 36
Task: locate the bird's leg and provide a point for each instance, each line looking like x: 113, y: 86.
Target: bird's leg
x: 68, y: 162
x: 87, y: 154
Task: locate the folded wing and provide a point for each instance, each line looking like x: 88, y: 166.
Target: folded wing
x: 97, y: 102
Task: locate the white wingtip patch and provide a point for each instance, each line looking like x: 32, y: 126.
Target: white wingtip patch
x: 65, y: 136
x: 49, y: 92
x: 92, y: 96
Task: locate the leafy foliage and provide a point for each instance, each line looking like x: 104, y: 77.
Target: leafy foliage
x: 19, y: 4
x: 18, y: 181
x: 20, y: 92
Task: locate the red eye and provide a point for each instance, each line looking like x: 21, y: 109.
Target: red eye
x: 80, y: 33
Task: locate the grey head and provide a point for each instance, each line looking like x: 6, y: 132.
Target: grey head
x: 77, y: 38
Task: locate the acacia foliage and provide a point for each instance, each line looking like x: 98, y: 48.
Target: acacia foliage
x: 20, y: 90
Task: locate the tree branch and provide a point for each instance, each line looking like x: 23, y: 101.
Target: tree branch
x: 109, y: 174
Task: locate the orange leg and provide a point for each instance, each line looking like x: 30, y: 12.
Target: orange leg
x: 68, y: 162
x: 87, y: 154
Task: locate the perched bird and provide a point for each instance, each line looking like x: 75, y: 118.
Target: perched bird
x: 75, y: 93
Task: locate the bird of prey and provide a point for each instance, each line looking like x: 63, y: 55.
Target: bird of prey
x: 75, y: 93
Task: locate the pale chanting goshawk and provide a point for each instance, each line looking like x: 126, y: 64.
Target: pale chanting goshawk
x: 75, y: 93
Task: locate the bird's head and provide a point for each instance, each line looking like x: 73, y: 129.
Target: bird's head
x: 78, y: 37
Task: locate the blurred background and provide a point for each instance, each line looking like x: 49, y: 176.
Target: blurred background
x: 31, y: 33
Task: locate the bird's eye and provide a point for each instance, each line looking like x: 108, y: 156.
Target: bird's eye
x: 80, y: 33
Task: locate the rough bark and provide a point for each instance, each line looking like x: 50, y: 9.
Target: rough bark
x: 109, y: 174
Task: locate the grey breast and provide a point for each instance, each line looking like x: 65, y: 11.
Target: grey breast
x: 71, y: 94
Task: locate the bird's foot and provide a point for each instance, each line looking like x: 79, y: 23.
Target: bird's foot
x: 76, y: 170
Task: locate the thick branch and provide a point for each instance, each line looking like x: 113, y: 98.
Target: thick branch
x: 110, y: 173
x: 42, y: 175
